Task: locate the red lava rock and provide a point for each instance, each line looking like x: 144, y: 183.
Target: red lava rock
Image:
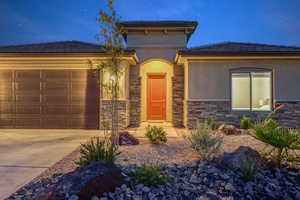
x: 126, y: 138
x: 92, y: 180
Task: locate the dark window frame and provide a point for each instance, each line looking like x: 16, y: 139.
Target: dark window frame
x: 250, y: 71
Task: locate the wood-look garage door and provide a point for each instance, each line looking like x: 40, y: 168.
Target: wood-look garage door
x: 48, y: 99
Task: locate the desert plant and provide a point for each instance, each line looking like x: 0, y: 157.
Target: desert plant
x: 245, y: 123
x: 204, y: 140
x: 248, y: 169
x: 97, y: 149
x: 282, y: 140
x: 150, y: 175
x: 156, y: 134
x: 211, y: 122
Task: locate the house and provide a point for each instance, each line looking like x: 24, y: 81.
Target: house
x: 50, y: 85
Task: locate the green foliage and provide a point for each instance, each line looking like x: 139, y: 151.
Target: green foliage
x: 204, y: 141
x: 150, y: 175
x: 248, y: 169
x: 97, y: 149
x: 212, y: 124
x: 282, y: 140
x: 156, y: 134
x: 245, y: 123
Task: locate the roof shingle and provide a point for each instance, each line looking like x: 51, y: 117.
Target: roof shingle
x: 55, y: 47
x: 240, y: 48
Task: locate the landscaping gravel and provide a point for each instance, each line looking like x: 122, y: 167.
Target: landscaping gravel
x: 190, y: 181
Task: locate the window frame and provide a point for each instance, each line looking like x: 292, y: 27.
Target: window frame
x: 249, y: 71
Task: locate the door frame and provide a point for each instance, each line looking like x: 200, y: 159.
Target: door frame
x: 164, y: 76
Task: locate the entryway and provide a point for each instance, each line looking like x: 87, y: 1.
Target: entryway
x: 156, y: 88
x: 156, y: 97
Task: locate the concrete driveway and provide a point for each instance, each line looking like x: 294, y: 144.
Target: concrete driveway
x: 25, y: 153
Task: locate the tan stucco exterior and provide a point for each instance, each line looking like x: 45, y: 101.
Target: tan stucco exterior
x: 210, y: 80
x: 156, y: 39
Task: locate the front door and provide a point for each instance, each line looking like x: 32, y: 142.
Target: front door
x: 156, y: 101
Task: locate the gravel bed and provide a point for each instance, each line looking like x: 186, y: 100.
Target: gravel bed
x: 176, y: 153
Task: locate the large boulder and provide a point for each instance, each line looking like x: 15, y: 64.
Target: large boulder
x: 228, y: 130
x: 94, y: 180
x: 233, y: 160
x: 126, y: 138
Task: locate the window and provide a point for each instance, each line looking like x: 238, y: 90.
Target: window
x: 251, y: 90
x: 107, y: 80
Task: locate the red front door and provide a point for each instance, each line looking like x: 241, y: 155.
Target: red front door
x: 156, y: 101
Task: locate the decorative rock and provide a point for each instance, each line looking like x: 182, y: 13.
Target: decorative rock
x: 146, y: 189
x: 233, y: 160
x: 94, y: 198
x: 125, y: 138
x: 228, y: 130
x: 93, y: 180
x: 73, y: 197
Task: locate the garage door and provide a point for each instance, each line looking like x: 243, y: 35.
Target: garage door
x: 48, y: 99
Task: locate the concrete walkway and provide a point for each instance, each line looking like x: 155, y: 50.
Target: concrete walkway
x: 24, y: 154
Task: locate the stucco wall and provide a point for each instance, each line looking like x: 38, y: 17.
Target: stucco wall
x: 156, y: 39
x: 211, y: 80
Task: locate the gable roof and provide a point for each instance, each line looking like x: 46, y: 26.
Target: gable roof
x: 56, y: 47
x: 239, y: 48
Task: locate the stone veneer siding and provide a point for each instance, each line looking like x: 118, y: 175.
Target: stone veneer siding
x: 221, y: 112
x: 178, y: 96
x: 134, y: 96
x: 106, y: 114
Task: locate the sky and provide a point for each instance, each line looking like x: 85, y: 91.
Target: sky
x: 258, y: 21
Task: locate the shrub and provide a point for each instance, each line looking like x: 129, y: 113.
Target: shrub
x: 282, y: 140
x: 245, y: 123
x: 150, y: 175
x: 204, y: 141
x: 97, y: 149
x: 212, y: 124
x: 156, y: 134
x: 248, y: 169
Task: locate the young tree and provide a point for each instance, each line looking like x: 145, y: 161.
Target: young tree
x: 110, y: 36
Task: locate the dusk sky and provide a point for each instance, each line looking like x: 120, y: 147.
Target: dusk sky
x: 260, y: 21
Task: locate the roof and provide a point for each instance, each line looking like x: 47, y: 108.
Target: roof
x: 55, y: 47
x: 236, y: 48
x: 173, y: 23
x: 187, y: 26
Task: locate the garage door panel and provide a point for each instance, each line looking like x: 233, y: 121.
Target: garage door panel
x: 48, y: 99
x: 27, y: 123
x: 27, y: 109
x: 6, y: 108
x: 22, y: 87
x: 56, y: 100
x: 79, y: 74
x: 28, y: 99
x: 6, y: 75
x: 27, y: 75
x: 56, y: 110
x: 55, y: 87
x: 6, y: 98
x: 6, y: 122
x: 55, y: 74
